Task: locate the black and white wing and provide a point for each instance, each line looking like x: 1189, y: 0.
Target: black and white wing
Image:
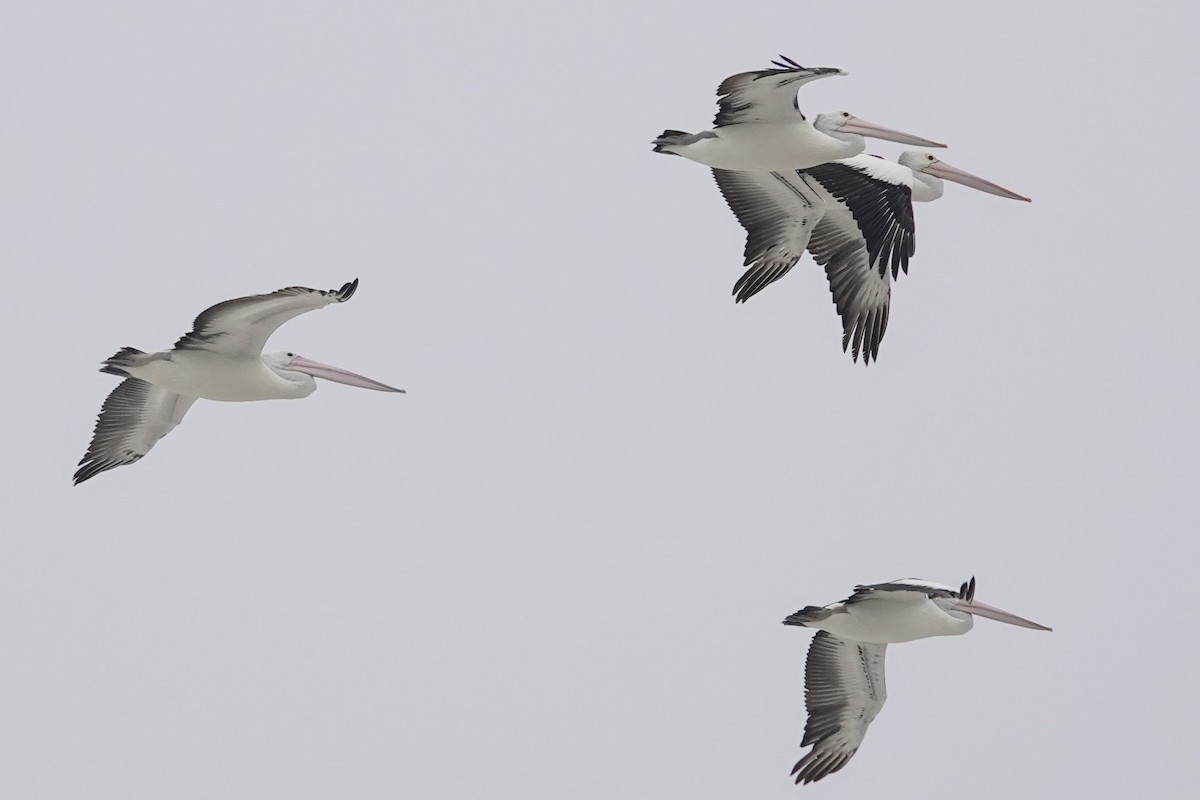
x: 844, y: 690
x: 766, y: 95
x: 878, y: 194
x: 861, y: 292
x: 779, y: 212
x: 920, y: 589
x: 133, y: 418
x: 242, y: 326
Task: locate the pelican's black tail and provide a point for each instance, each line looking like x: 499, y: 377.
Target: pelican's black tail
x: 125, y: 357
x: 669, y: 138
x: 806, y: 615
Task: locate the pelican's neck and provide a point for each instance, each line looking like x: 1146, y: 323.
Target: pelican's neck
x: 847, y: 144
x: 926, y: 188
x: 962, y: 621
x: 292, y: 385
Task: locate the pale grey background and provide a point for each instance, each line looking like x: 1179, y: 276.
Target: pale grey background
x: 557, y: 567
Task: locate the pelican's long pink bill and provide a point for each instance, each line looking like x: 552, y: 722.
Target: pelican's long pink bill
x: 991, y: 612
x: 326, y: 372
x: 943, y: 170
x: 864, y: 128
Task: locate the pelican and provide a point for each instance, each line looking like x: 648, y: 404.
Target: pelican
x: 221, y: 359
x: 843, y: 677
x: 759, y: 125
x: 855, y: 217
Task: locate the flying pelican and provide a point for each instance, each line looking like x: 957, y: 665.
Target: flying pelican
x: 854, y: 215
x: 760, y: 126
x: 843, y: 677
x: 221, y: 359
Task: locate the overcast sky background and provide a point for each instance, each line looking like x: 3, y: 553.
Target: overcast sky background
x: 557, y: 567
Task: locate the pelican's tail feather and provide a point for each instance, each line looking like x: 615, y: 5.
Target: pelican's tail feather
x: 119, y: 363
x: 806, y: 615
x: 672, y: 139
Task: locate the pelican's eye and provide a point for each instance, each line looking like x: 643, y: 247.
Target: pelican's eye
x: 291, y: 355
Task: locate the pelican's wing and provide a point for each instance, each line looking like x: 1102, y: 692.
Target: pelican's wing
x: 778, y: 212
x: 918, y: 588
x: 843, y: 691
x: 878, y: 194
x: 766, y: 95
x: 241, y: 327
x: 133, y: 418
x: 860, y: 292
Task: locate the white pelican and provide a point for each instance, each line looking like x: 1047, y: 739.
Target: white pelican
x: 843, y: 677
x: 760, y: 126
x: 221, y: 359
x: 855, y: 217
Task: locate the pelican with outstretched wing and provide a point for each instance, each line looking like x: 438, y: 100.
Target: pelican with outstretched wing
x: 844, y: 686
x: 220, y: 359
x: 759, y: 125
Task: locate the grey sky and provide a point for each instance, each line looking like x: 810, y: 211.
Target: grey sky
x: 557, y: 567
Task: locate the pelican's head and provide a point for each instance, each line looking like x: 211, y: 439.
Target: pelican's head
x: 963, y: 605
x: 846, y: 127
x: 930, y: 164
x: 299, y: 369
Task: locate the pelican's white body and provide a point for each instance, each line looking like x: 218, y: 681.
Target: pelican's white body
x: 216, y: 376
x: 891, y: 617
x: 767, y: 146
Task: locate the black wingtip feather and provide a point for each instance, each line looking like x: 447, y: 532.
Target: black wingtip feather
x: 347, y: 291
